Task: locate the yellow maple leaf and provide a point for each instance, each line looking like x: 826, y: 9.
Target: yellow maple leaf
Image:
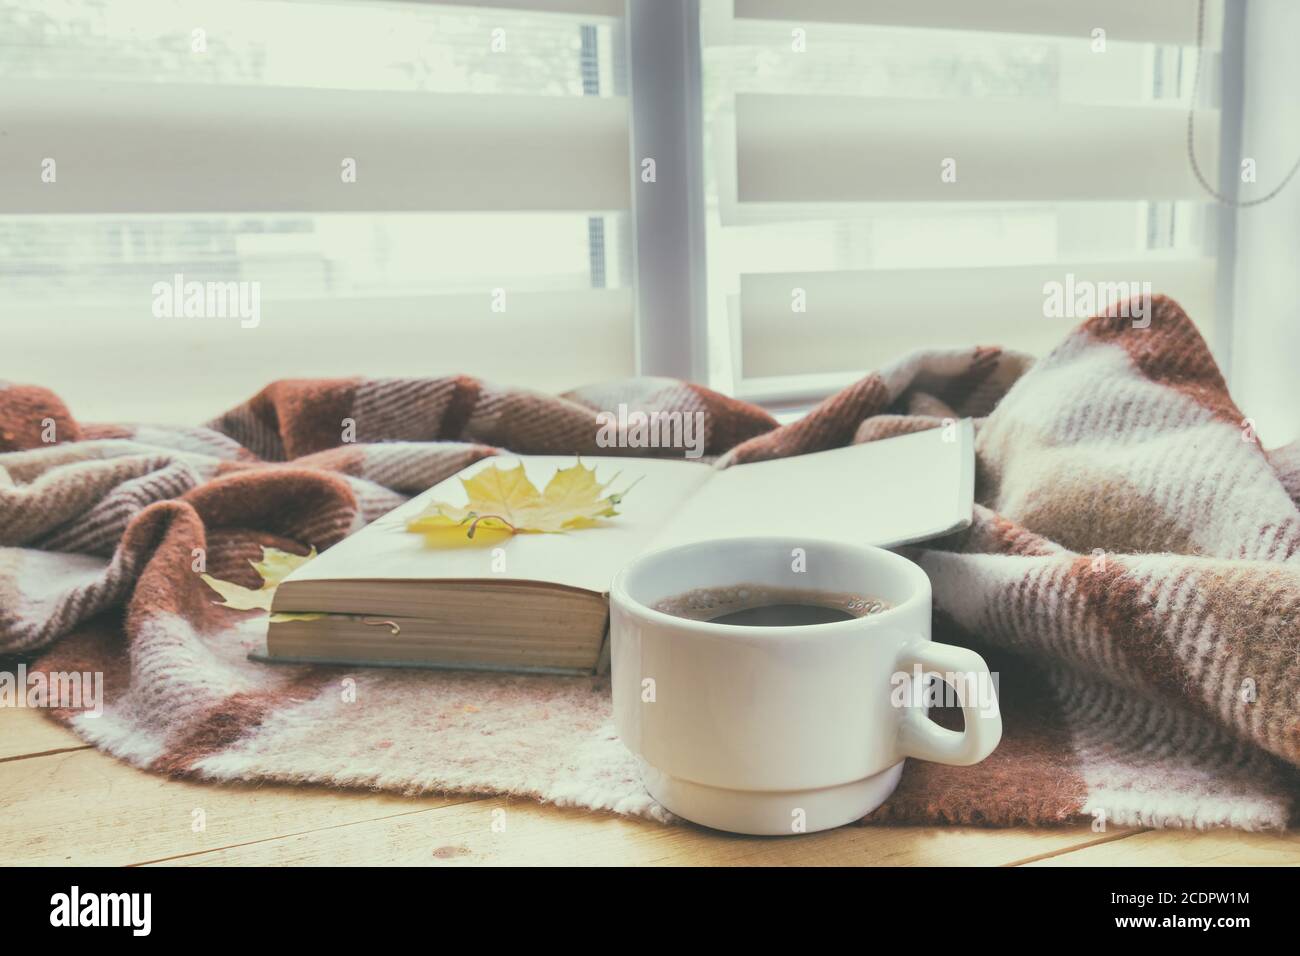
x: 272, y: 569
x: 503, y: 501
x: 276, y: 565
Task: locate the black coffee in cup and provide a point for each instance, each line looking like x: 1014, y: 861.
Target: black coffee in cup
x: 758, y: 605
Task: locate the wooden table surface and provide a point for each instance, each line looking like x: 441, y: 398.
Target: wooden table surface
x: 64, y: 803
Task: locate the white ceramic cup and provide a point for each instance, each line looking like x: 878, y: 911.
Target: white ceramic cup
x: 779, y: 730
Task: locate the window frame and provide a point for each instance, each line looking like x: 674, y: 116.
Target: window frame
x: 669, y: 255
x: 665, y: 98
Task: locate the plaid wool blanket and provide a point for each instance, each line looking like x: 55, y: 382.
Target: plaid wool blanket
x: 1133, y: 575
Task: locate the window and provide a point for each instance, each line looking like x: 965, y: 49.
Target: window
x: 485, y: 228
x: 888, y: 176
x: 418, y: 187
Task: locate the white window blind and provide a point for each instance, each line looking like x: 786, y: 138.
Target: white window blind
x: 484, y: 231
x: 889, y: 175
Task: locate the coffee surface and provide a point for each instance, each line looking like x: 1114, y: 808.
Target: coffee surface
x: 761, y: 605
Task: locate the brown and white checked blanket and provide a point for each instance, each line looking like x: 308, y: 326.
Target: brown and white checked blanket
x: 1133, y: 573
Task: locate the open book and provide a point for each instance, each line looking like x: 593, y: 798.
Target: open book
x: 538, y: 602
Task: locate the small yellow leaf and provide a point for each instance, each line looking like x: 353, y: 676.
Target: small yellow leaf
x: 238, y: 597
x: 276, y: 564
x: 274, y: 567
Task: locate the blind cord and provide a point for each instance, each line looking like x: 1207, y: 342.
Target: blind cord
x: 1191, y: 133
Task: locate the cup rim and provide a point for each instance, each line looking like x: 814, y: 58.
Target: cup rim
x: 921, y: 593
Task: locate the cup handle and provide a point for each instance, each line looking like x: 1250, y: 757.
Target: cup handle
x: 921, y: 737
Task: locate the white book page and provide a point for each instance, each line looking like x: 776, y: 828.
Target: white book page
x: 586, y: 559
x: 884, y: 493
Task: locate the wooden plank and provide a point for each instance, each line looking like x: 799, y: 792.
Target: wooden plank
x: 544, y: 835
x: 84, y: 807
x: 25, y: 731
x: 87, y: 808
x: 1188, y: 848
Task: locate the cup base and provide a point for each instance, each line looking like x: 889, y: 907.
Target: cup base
x: 771, y: 812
